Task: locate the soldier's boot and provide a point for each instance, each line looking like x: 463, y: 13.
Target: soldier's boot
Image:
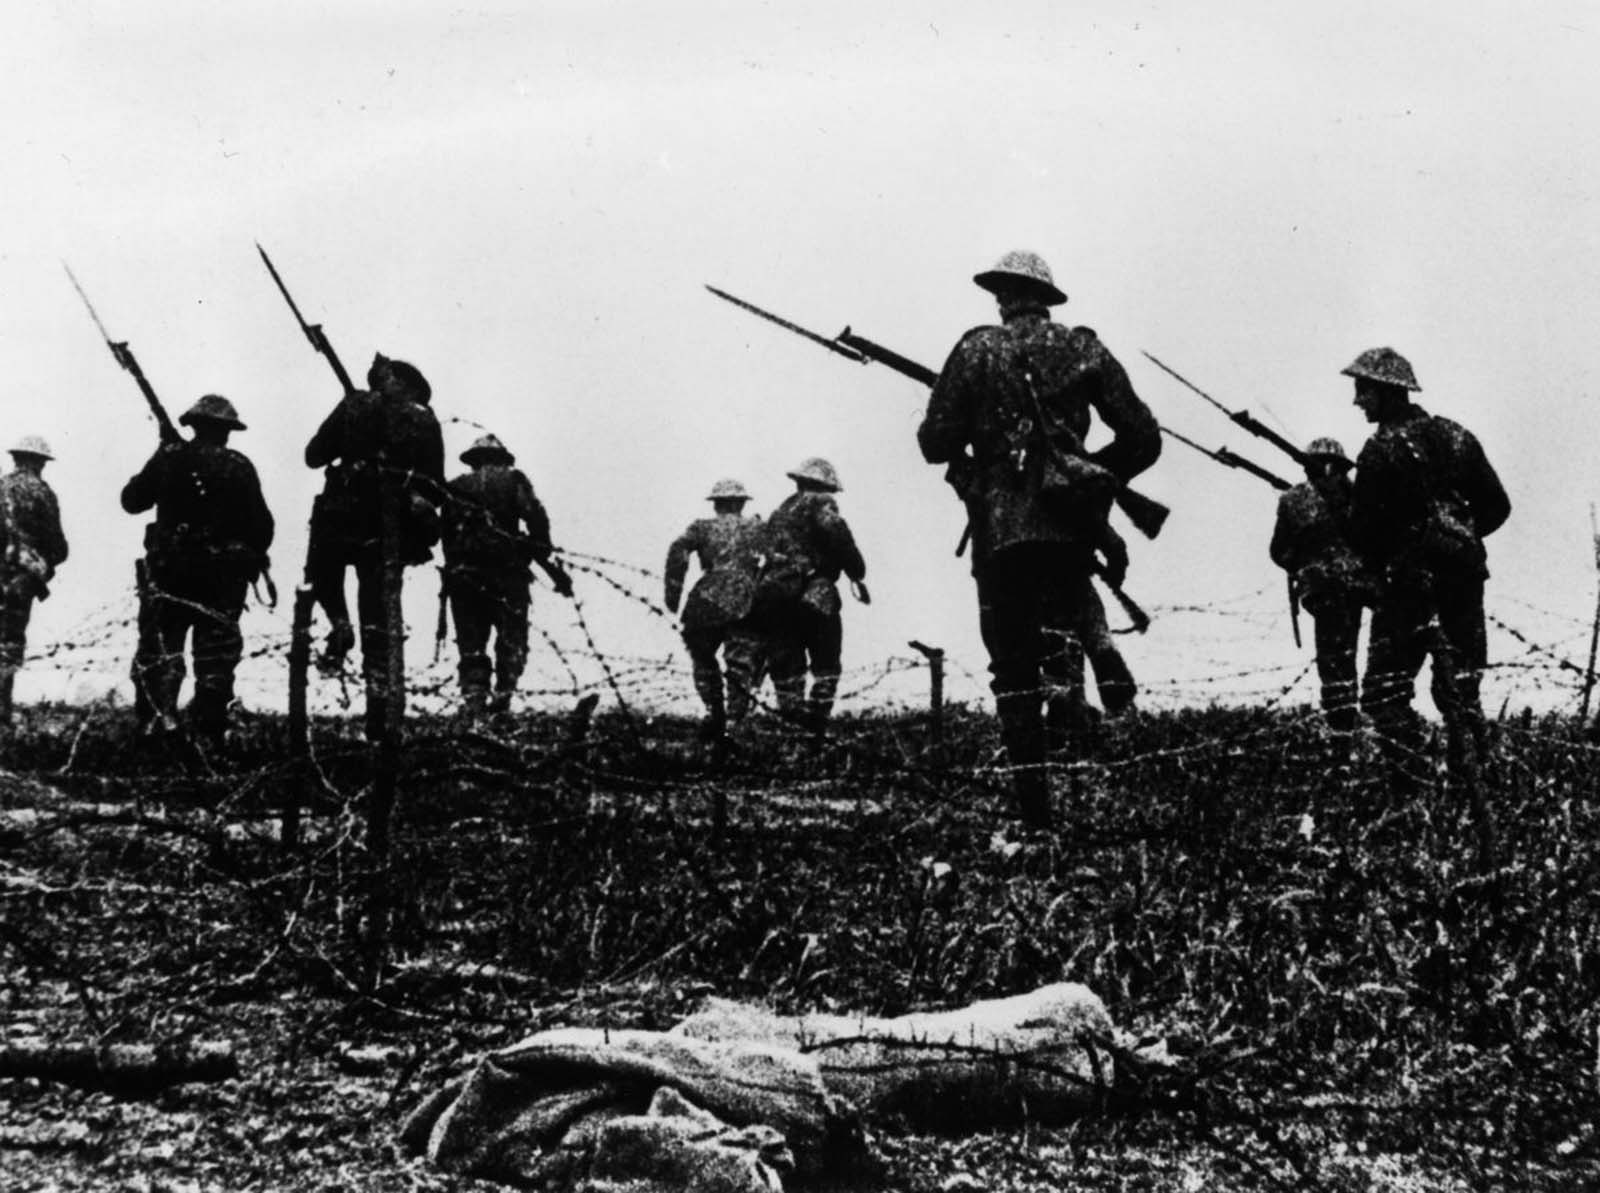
x: 500, y: 707
x: 1022, y: 734
x: 1030, y: 787
x: 791, y: 695
x: 1070, y: 722
x: 8, y: 679
x: 474, y: 671
x: 340, y: 641
x: 819, y: 710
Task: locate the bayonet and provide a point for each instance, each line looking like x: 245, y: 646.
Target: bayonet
x: 123, y: 355
x: 1242, y: 417
x: 1233, y: 460
x: 313, y: 331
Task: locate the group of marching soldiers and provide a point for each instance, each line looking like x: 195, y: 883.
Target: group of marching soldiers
x: 1008, y: 415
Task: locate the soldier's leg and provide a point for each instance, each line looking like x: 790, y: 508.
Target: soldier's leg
x: 15, y: 606
x: 1113, y: 680
x: 1336, y: 629
x: 173, y: 618
x: 825, y: 651
x: 469, y: 608
x: 147, y: 646
x: 1395, y: 652
x: 744, y: 662
x: 1460, y: 656
x: 786, y: 659
x: 702, y: 642
x: 1011, y: 615
x: 218, y: 647
x: 511, y: 641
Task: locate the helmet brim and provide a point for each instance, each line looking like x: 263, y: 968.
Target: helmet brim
x: 800, y: 476
x: 997, y: 280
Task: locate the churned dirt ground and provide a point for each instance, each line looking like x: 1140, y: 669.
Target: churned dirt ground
x: 1356, y: 990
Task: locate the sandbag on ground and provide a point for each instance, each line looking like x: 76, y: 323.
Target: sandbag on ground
x: 1027, y: 1058
x: 539, y: 1110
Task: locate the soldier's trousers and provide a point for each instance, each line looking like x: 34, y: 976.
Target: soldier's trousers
x: 1027, y: 594
x: 812, y: 642
x: 1088, y: 636
x: 1336, y: 630
x: 16, y: 607
x: 199, y: 606
x: 741, y: 651
x: 484, y: 605
x: 1411, y: 622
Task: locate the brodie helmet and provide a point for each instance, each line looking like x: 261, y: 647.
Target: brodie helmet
x: 1021, y: 268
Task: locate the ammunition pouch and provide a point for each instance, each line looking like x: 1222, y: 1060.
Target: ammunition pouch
x: 1070, y: 484
x: 1450, y: 543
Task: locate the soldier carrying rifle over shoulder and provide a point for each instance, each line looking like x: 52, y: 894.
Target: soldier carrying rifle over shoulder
x: 1020, y: 397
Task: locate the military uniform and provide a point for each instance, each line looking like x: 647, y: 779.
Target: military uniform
x: 1311, y: 541
x: 1425, y: 498
x: 807, y: 545
x: 716, y: 615
x: 385, y: 434
x: 494, y: 527
x: 208, y: 542
x: 1032, y: 551
x: 34, y: 548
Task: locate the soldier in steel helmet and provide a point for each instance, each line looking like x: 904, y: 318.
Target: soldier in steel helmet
x: 1311, y: 542
x: 209, y: 541
x: 495, y: 527
x: 806, y: 546
x: 34, y: 548
x: 386, y: 434
x: 716, y: 614
x: 1425, y: 498
x: 1011, y: 394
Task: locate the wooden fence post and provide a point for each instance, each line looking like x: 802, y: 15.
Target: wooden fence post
x: 935, y: 657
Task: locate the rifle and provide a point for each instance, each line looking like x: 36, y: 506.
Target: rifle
x: 313, y: 331
x: 1146, y: 513
x: 441, y: 629
x: 1223, y: 456
x: 1140, y: 619
x: 1243, y: 417
x: 1294, y: 609
x: 123, y: 355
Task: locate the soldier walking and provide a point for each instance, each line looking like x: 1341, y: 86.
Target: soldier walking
x: 1425, y: 498
x: 209, y: 541
x: 494, y: 528
x: 384, y: 437
x: 1311, y: 542
x: 1033, y: 548
x: 34, y: 548
x: 807, y: 546
x: 715, y: 617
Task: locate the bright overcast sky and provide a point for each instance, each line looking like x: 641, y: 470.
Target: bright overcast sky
x: 524, y: 200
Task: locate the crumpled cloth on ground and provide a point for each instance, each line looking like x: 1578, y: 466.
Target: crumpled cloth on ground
x: 737, y: 1099
x: 574, y: 1108
x: 1032, y: 1057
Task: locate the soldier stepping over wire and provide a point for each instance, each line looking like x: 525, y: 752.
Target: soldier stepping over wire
x: 716, y: 615
x: 208, y: 542
x: 494, y: 528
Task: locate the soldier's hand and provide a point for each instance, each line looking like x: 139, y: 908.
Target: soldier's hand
x: 859, y: 590
x: 1115, y: 567
x: 560, y: 579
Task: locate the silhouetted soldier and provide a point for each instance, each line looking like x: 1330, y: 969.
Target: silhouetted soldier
x: 385, y: 435
x: 34, y: 548
x: 1311, y: 541
x: 494, y: 528
x: 807, y: 545
x: 716, y: 615
x: 1033, y: 545
x: 209, y: 541
x: 1425, y: 498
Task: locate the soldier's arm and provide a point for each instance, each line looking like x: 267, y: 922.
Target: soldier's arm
x: 1136, y: 435
x: 327, y: 444
x: 257, y: 527
x: 52, y: 542
x: 1281, y: 549
x: 839, y: 543
x: 1487, y: 496
x: 685, y: 545
x: 144, y: 490
x: 531, y: 512
x: 945, y: 429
